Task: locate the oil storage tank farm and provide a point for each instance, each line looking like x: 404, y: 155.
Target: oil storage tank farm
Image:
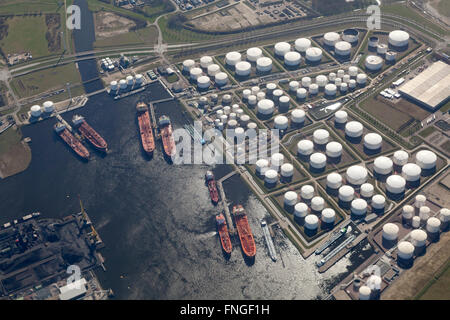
x: 398, y: 40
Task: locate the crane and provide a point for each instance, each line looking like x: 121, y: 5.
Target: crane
x: 87, y: 221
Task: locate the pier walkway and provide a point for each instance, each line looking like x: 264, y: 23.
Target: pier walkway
x: 231, y: 229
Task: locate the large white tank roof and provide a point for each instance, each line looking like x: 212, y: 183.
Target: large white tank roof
x: 281, y: 48
x: 346, y: 193
x: 232, y: 58
x: 374, y: 63
x: 341, y: 116
x: 205, y: 61
x: 307, y: 192
x: 243, y: 68
x: 254, y: 54
x: 305, y: 147
x: 405, y: 250
x: 400, y: 157
x: 390, y: 231
x: 354, y: 129
x: 373, y: 141
x: 318, y: 160
x: 213, y: 69
x: 398, y: 38
x: 356, y: 175
x: 321, y: 136
x: 334, y: 180
x: 342, y: 48
x: 266, y: 106
x: 302, y: 44
x: 426, y: 159
x: 395, y: 184
x: 264, y: 64
x: 292, y: 58
x: 311, y: 222
x: 330, y: 38
x: 383, y: 165
x: 411, y: 172
x: 313, y: 54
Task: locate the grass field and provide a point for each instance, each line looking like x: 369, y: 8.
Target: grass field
x: 404, y: 11
x: 426, y: 132
x: 182, y: 35
x: 147, y: 35
x: 438, y: 290
x: 26, y: 34
x: 443, y: 6
x: 29, y: 6
x: 43, y: 80
x: 9, y: 138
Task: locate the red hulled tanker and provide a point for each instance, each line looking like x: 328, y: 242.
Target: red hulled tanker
x: 89, y: 133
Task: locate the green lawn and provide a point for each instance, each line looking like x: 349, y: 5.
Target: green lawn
x: 43, y: 80
x: 426, y: 132
x: 439, y: 287
x: 182, y: 35
x: 443, y: 7
x: 29, y: 6
x: 9, y: 138
x: 402, y: 10
x: 26, y: 34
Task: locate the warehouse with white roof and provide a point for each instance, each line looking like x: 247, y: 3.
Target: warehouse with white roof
x: 431, y: 88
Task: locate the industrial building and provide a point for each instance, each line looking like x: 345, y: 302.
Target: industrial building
x: 431, y: 88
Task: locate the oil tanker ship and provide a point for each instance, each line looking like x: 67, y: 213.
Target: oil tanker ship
x: 145, y: 128
x: 211, y: 182
x: 165, y: 127
x: 223, y: 233
x: 71, y: 141
x: 244, y: 231
x: 89, y: 133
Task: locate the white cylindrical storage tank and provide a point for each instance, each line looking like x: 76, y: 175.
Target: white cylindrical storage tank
x: 243, y: 68
x: 232, y: 58
x: 219, y: 113
x: 426, y: 159
x: 313, y: 54
x: 382, y: 48
x: 122, y: 84
x: 433, y: 225
x: 252, y: 125
x: 188, y: 64
x: 354, y: 129
x: 395, y: 184
x: 366, y: 190
x: 364, y: 293
x: 338, y: 81
x: 227, y: 110
x: 340, y: 73
x: 361, y: 79
x: 332, y: 76
x: 311, y: 222
x: 290, y: 198
x: 444, y: 216
x: 266, y: 107
x: 342, y: 48
x: 330, y: 38
x: 213, y: 69
x: 203, y: 82
x: 284, y: 104
x: 405, y: 250
x: 398, y: 38
x: 254, y: 54
x: 292, y: 58
x: 334, y: 180
x: 139, y: 79
x: 293, y: 86
x: 373, y: 141
x: 48, y: 106
x: 330, y: 89
x: 302, y: 44
x: 306, y: 82
x: 317, y: 204
x: 221, y: 78
x: 300, y: 210
x: 400, y: 157
x: 281, y: 48
x: 382, y: 165
x: 328, y: 216
x: 271, y: 176
x: 340, y: 117
x: 261, y: 165
x: 281, y: 122
x: 390, y: 56
x: 318, y: 160
x: 307, y: 192
x: 390, y: 231
x: 346, y: 193
x: 411, y: 172
x: 232, y: 123
x: 130, y: 80
x: 206, y: 61
x: 298, y: 116
x: 352, y: 84
x: 264, y: 64
x: 407, y: 212
x: 346, y: 78
x: 224, y: 119
x: 113, y: 85
x: 277, y: 93
x: 424, y: 213
x: 232, y: 116
x: 35, y: 111
x: 277, y: 160
x: 260, y: 95
x: 301, y: 93
x: 195, y: 73
x: 415, y: 222
x: 321, y: 80
x: 420, y: 201
x: 244, y: 119
x: 202, y: 101
x: 353, y: 71
x: 418, y: 238
x: 270, y: 87
x: 252, y: 100
x: 333, y: 149
x: 240, y: 133
x: 255, y: 90
x: 321, y: 136
x: 356, y: 175
x: 378, y: 202
x: 359, y: 207
x: 374, y: 63
x: 373, y: 42
x: 287, y: 170
x: 305, y: 147
x: 343, y: 87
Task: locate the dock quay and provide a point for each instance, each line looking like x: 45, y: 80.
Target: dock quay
x: 223, y: 198
x: 342, y: 251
